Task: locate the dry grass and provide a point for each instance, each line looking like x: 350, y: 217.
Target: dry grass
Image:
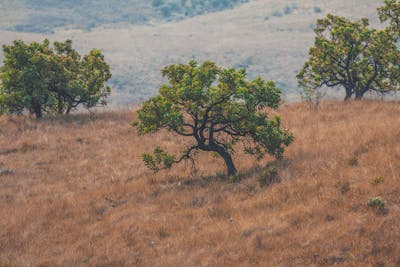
x: 74, y: 192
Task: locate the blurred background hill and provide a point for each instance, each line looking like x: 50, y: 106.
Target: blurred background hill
x: 269, y: 38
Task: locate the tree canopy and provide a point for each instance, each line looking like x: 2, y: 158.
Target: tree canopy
x: 351, y: 55
x: 390, y: 11
x: 41, y: 78
x: 215, y: 108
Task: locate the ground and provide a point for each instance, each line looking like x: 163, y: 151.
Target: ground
x: 74, y: 192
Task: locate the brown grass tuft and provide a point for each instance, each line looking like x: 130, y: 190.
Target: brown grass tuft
x: 76, y: 194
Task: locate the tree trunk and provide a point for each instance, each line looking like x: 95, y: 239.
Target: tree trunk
x: 37, y: 109
x: 69, y: 108
x: 228, y: 162
x: 60, y: 104
x: 348, y: 94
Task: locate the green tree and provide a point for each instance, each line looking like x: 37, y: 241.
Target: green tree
x: 216, y: 108
x: 350, y: 55
x: 40, y: 78
x: 390, y: 11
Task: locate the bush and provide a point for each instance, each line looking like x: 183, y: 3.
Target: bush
x: 378, y: 180
x: 376, y: 203
x: 269, y: 175
x: 287, y: 10
x: 353, y: 161
x: 277, y: 13
x: 317, y: 9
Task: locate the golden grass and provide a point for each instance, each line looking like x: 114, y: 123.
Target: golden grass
x: 74, y: 192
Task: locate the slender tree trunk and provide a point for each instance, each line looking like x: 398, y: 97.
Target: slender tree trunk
x: 69, y: 108
x: 228, y: 162
x: 60, y: 104
x: 37, y: 109
x: 349, y: 92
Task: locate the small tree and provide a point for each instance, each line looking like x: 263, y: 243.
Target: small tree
x: 350, y: 55
x: 40, y: 78
x: 217, y: 108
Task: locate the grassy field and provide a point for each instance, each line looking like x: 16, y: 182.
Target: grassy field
x: 269, y: 38
x: 74, y: 192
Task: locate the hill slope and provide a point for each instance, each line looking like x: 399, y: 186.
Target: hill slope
x: 74, y: 192
x: 44, y: 16
x: 268, y: 37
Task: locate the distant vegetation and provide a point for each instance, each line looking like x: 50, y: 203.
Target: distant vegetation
x: 191, y: 8
x: 87, y: 14
x: 45, y: 15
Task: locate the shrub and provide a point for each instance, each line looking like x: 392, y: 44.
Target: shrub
x: 378, y: 180
x: 277, y: 13
x: 287, y: 10
x: 317, y: 9
x: 269, y: 175
x: 376, y: 203
x: 344, y: 187
x: 353, y: 161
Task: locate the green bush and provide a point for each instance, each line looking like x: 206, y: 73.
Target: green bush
x: 376, y: 203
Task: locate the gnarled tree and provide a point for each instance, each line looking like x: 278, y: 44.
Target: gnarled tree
x: 216, y: 108
x: 350, y: 55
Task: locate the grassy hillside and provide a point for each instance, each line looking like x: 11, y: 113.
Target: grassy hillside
x: 74, y: 192
x: 46, y: 16
x: 268, y: 37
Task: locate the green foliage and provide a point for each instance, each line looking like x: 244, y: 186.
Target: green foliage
x: 269, y: 175
x: 217, y: 108
x: 390, y: 12
x: 376, y: 203
x: 158, y: 160
x: 350, y: 55
x: 41, y: 78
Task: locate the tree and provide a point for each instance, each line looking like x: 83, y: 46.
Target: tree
x: 390, y: 11
x: 351, y: 55
x: 40, y: 78
x: 216, y: 108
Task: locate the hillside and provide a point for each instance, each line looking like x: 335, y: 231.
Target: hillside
x: 46, y: 16
x: 74, y: 192
x: 267, y: 37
